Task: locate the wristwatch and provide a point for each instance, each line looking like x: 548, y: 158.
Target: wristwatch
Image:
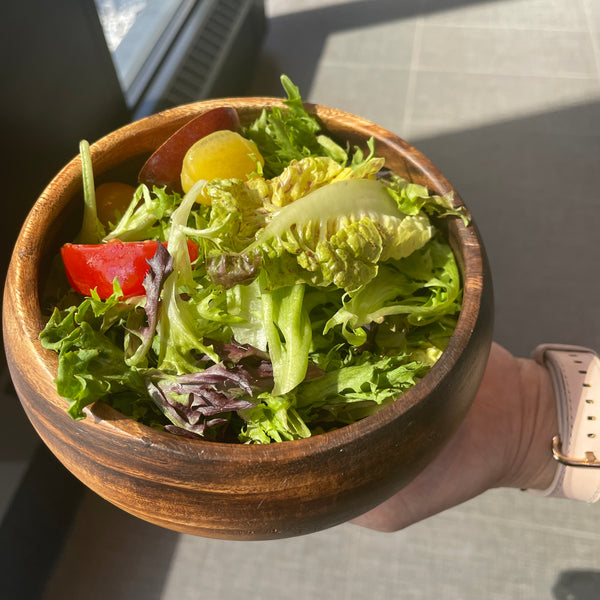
x: 575, y: 373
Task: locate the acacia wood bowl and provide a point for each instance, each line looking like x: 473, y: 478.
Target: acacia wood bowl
x: 240, y: 491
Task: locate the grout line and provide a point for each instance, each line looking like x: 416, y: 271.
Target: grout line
x: 531, y: 526
x: 593, y: 38
x: 422, y: 69
x: 413, y: 69
x: 555, y: 75
x: 493, y: 27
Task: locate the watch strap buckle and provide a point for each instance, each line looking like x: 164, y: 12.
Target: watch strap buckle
x: 589, y: 460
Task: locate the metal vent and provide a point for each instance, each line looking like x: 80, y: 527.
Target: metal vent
x: 202, y: 53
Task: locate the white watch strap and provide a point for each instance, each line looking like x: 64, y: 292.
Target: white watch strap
x: 575, y: 373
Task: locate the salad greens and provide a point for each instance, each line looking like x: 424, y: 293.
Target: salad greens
x: 323, y: 290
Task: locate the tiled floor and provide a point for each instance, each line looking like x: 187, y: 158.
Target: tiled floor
x: 504, y: 96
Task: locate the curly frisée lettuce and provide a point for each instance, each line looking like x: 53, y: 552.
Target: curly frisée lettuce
x: 323, y: 289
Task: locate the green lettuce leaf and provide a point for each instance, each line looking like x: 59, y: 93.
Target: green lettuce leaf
x: 288, y: 332
x: 413, y: 198
x: 244, y: 303
x: 147, y: 216
x: 304, y: 176
x: 338, y: 234
x: 91, y: 231
x: 241, y: 209
x: 181, y: 326
x: 421, y: 288
x: 355, y: 391
x: 290, y: 133
x: 91, y: 359
x: 273, y: 419
x: 237, y: 213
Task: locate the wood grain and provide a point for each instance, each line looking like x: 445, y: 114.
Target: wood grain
x: 228, y: 491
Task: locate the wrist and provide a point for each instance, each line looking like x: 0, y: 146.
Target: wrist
x: 532, y: 465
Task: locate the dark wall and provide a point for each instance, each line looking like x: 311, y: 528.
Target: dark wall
x: 58, y: 86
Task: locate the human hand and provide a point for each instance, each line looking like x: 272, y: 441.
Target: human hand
x: 504, y: 441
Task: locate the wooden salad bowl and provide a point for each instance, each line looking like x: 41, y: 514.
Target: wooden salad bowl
x: 229, y: 491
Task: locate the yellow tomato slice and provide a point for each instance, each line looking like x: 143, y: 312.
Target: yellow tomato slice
x: 219, y: 155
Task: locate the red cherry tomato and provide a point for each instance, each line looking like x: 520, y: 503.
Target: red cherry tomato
x: 96, y: 265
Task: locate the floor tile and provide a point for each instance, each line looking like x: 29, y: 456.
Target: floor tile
x: 533, y: 193
x: 592, y: 8
x: 381, y: 45
x: 494, y: 547
x: 443, y: 101
x: 506, y: 52
x: 595, y: 36
x: 375, y: 33
x: 342, y: 87
x: 555, y: 15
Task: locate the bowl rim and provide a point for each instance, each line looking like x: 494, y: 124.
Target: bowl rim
x: 25, y: 266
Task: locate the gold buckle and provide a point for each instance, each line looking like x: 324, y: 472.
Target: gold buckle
x: 590, y: 459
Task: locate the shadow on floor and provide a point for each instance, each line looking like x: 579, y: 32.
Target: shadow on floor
x: 295, y: 41
x: 36, y: 525
x: 577, y: 585
x: 532, y: 186
x: 111, y: 554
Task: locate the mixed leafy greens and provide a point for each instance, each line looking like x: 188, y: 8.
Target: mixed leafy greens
x: 323, y: 290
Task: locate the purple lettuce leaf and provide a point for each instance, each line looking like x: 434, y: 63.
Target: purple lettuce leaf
x: 256, y: 363
x: 197, y: 401
x: 233, y: 269
x: 161, y: 266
